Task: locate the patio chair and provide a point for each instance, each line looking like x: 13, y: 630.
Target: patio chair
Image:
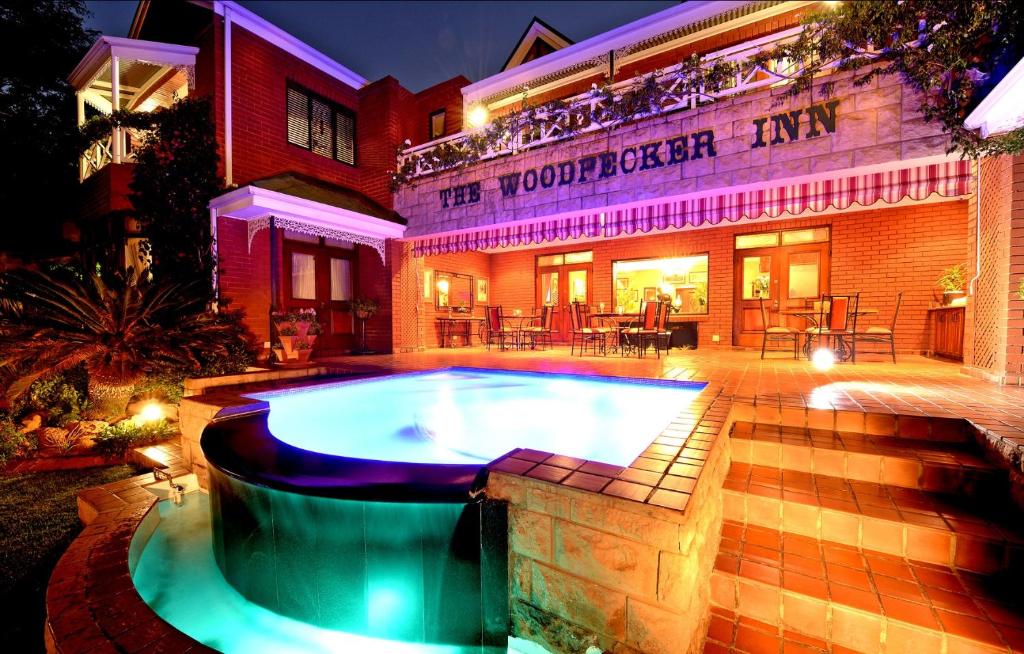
x: 875, y: 334
x: 644, y: 331
x: 539, y: 329
x: 584, y: 333
x: 837, y: 322
x: 499, y: 329
x: 777, y: 334
x: 663, y: 341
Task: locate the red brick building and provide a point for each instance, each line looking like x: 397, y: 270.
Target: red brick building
x: 717, y: 201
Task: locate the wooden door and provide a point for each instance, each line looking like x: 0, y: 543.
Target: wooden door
x: 558, y: 287
x: 322, y: 278
x: 787, y: 277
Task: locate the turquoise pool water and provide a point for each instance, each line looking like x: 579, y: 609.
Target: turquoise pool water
x: 178, y: 577
x: 463, y: 415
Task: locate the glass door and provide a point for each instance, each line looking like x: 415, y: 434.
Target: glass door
x: 789, y: 275
x: 559, y: 286
x: 322, y: 278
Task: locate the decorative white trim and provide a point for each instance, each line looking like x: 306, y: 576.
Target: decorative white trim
x: 1002, y: 110
x: 108, y: 47
x: 273, y: 34
x: 536, y: 30
x: 588, y: 50
x: 256, y: 205
x: 259, y: 224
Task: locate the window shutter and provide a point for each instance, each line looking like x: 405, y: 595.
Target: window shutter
x: 322, y: 130
x: 345, y: 130
x: 298, y: 118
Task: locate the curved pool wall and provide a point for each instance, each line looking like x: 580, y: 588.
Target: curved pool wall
x: 388, y: 550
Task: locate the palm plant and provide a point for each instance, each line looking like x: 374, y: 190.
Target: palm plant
x: 119, y: 331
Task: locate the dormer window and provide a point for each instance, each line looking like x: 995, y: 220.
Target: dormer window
x: 321, y: 126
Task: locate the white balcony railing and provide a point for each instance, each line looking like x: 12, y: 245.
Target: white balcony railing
x: 575, y: 118
x: 101, y: 152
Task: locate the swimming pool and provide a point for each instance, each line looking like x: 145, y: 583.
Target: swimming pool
x: 465, y: 416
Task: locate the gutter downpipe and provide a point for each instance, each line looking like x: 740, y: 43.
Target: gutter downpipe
x: 213, y: 256
x: 228, y: 175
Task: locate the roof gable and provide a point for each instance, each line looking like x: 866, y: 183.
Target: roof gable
x: 537, y: 40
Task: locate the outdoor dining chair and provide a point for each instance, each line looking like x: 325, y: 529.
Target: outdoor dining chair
x: 499, y: 329
x: 641, y: 334
x: 539, y: 329
x: 584, y: 333
x: 836, y: 326
x: 878, y: 334
x: 777, y: 334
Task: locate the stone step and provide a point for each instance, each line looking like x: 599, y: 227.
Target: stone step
x: 940, y: 466
x: 932, y: 527
x: 780, y: 592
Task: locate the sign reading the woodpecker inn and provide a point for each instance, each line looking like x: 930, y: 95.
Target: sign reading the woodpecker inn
x: 776, y: 129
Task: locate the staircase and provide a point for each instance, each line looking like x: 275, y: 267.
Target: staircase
x: 848, y: 542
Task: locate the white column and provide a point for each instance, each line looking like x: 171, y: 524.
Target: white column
x: 80, y: 104
x: 115, y: 101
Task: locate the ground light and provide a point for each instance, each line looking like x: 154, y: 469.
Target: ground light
x: 151, y: 412
x: 823, y: 358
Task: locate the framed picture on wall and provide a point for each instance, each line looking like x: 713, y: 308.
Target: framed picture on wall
x: 650, y: 294
x: 481, y: 290
x: 428, y: 284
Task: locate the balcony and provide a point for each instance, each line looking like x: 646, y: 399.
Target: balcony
x: 127, y: 75
x: 580, y: 114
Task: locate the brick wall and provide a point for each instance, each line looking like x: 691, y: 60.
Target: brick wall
x: 245, y: 275
x: 476, y: 264
x: 385, y: 115
x: 446, y: 95
x: 876, y: 252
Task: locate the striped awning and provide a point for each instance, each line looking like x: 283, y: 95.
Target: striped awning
x: 946, y: 179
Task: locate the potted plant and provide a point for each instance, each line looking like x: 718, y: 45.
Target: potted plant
x: 303, y: 350
x: 303, y: 319
x: 286, y: 333
x: 952, y: 283
x: 1020, y: 290
x: 364, y: 309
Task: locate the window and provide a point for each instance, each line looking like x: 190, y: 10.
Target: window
x: 749, y: 241
x: 683, y: 279
x: 303, y: 276
x: 561, y: 259
x: 437, y: 124
x: 321, y: 126
x: 788, y: 237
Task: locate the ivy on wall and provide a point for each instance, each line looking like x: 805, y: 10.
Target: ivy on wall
x: 952, y: 52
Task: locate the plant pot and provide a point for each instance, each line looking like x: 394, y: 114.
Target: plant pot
x: 288, y: 345
x: 949, y: 296
x: 279, y: 354
x: 301, y: 328
x: 311, y: 339
x: 303, y: 355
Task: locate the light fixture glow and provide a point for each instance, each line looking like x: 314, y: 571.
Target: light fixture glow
x: 478, y: 116
x: 151, y: 412
x: 442, y: 286
x: 823, y: 358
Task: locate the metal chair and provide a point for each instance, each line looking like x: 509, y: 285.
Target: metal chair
x: 875, y: 334
x: 539, y: 330
x: 499, y: 328
x: 837, y: 321
x: 644, y: 331
x: 582, y: 331
x: 777, y: 334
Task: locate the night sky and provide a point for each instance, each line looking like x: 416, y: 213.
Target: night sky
x: 420, y: 43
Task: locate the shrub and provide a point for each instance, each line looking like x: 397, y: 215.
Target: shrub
x: 63, y: 397
x: 12, y: 441
x: 115, y: 440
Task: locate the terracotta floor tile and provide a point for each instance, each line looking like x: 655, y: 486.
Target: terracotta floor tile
x: 911, y: 612
x: 858, y: 599
x: 968, y: 627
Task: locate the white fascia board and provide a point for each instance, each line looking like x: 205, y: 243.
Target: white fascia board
x: 251, y: 202
x: 628, y: 34
x: 105, y: 47
x: 1002, y: 110
x: 274, y: 35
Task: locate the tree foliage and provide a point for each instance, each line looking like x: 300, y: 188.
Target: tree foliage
x: 173, y: 180
x: 41, y: 42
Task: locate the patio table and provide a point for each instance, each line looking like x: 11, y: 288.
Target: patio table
x: 812, y: 316
x: 519, y: 321
x: 448, y: 324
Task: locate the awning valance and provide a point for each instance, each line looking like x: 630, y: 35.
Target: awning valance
x: 946, y: 179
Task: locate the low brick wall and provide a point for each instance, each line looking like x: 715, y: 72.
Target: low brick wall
x: 589, y: 569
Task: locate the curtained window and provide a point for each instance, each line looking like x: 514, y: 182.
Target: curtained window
x: 303, y: 276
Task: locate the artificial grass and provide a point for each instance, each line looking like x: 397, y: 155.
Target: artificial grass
x: 38, y: 520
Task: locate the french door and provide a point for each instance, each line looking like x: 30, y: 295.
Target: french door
x: 788, y: 277
x: 558, y: 287
x: 323, y: 278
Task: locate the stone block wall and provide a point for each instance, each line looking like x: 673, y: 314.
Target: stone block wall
x: 597, y: 570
